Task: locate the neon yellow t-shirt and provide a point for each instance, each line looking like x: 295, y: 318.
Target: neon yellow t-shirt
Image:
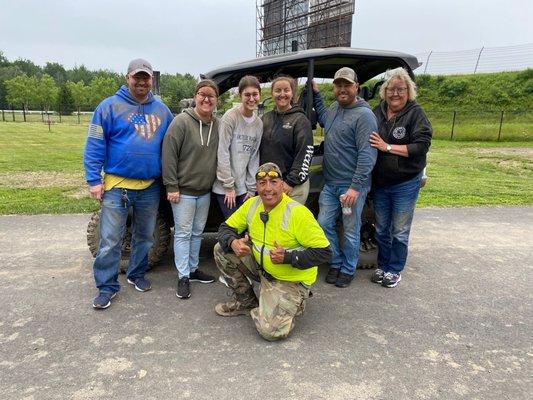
x: 114, y: 181
x: 292, y: 226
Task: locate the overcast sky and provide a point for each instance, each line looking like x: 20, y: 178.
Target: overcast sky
x: 199, y: 35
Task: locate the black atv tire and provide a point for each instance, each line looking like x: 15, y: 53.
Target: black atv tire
x: 158, y: 250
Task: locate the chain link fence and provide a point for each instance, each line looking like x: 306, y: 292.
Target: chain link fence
x: 481, y: 60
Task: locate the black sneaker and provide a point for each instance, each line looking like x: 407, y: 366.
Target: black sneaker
x: 199, y: 276
x: 332, y: 275
x: 103, y: 300
x: 390, y: 279
x: 343, y: 280
x: 377, y: 276
x: 141, y: 284
x: 183, y: 292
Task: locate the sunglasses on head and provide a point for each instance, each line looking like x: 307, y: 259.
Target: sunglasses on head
x: 270, y: 174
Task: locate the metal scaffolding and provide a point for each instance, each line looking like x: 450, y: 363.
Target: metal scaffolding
x: 291, y: 25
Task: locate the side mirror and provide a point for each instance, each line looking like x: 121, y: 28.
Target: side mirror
x: 364, y: 92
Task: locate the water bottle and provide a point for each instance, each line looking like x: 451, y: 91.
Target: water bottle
x: 345, y: 209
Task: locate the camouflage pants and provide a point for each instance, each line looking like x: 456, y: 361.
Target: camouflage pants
x: 279, y: 301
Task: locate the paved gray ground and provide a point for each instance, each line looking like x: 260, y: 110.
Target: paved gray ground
x: 459, y: 326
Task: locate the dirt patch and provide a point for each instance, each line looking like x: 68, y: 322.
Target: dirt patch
x: 513, y: 165
x: 509, y: 151
x: 78, y: 193
x: 41, y: 179
x: 509, y: 159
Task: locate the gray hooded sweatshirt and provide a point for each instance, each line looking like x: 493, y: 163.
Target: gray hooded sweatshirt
x: 190, y: 154
x: 348, y: 157
x: 238, y: 153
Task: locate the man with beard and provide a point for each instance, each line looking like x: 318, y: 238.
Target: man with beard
x: 124, y: 141
x: 274, y: 240
x: 347, y: 165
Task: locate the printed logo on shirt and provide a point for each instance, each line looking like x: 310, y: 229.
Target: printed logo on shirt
x: 287, y: 125
x: 399, y: 132
x: 145, y: 124
x: 306, y: 163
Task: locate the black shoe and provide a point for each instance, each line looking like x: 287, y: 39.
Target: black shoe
x: 343, y: 280
x: 377, y: 276
x: 183, y: 292
x: 141, y: 284
x: 332, y: 275
x: 199, y: 276
x: 103, y: 300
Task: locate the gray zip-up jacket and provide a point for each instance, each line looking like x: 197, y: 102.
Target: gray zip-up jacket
x: 190, y: 154
x: 238, y: 153
x: 348, y: 156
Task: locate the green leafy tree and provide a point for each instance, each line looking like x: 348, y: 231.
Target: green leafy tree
x: 47, y: 92
x: 100, y: 88
x: 3, y: 59
x: 176, y: 87
x: 66, y: 101
x: 104, y: 73
x: 28, y: 67
x: 80, y: 73
x: 79, y: 92
x: 6, y: 72
x: 56, y: 71
x: 21, y: 90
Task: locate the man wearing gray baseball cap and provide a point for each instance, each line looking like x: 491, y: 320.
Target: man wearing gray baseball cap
x: 347, y: 165
x: 140, y: 65
x: 124, y: 142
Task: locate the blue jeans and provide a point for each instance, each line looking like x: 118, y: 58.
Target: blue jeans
x: 394, y: 207
x: 115, y: 205
x: 345, y: 258
x: 190, y: 216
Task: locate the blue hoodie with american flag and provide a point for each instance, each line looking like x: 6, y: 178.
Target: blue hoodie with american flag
x: 125, y: 136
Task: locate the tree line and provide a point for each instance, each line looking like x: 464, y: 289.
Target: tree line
x: 25, y: 85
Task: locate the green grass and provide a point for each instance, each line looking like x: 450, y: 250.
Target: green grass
x: 42, y: 172
x: 53, y: 200
x: 478, y: 173
x: 30, y: 147
x: 481, y: 126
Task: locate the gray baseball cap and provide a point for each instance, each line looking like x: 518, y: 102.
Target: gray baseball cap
x: 346, y: 74
x: 140, y: 65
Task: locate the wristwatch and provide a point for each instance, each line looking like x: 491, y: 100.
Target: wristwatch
x: 389, y: 148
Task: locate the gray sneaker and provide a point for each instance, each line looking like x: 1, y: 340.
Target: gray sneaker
x: 390, y: 279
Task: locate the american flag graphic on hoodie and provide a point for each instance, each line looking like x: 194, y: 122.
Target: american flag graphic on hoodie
x: 145, y: 124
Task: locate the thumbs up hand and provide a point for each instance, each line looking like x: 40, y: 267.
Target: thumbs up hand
x: 241, y: 247
x: 277, y: 254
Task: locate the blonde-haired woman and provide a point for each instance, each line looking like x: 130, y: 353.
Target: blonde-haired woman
x: 403, y: 141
